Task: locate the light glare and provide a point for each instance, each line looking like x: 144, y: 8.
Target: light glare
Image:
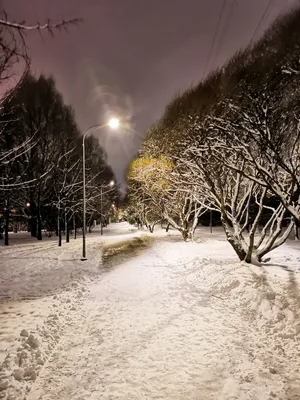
x: 113, y: 123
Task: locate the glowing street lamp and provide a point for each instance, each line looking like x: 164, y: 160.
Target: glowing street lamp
x: 113, y: 123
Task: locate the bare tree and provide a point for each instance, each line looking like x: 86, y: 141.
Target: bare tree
x: 251, y: 216
x: 269, y: 141
x: 157, y: 195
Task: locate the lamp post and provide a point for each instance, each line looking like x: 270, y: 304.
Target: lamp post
x: 111, y: 184
x: 113, y: 124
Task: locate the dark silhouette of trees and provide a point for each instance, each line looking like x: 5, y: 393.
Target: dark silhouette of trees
x: 46, y: 178
x: 15, y: 62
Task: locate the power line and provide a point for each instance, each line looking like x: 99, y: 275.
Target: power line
x: 225, y: 27
x: 214, y: 38
x: 267, y: 9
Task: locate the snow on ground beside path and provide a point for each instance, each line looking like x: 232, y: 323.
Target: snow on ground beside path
x: 36, y: 269
x: 30, y: 268
x: 181, y: 321
x: 17, y: 315
x: 286, y: 256
x: 28, y: 271
x: 32, y: 272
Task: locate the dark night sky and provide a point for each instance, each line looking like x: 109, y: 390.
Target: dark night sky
x: 131, y: 56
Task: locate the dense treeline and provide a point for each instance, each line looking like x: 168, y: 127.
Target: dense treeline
x: 41, y: 175
x: 41, y: 147
x: 230, y: 145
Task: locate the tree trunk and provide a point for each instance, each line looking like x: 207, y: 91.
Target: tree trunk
x: 39, y: 220
x: 250, y: 251
x: 185, y: 234
x: 39, y: 227
x: 59, y: 236
x: 67, y: 228
x: 58, y: 228
x: 58, y: 222
x: 276, y: 239
x: 296, y: 230
x: 252, y: 258
x: 192, y: 233
x: 185, y: 230
x: 168, y: 227
x: 236, y: 244
x: 75, y: 227
x: 237, y: 247
x: 6, y: 224
x: 67, y: 233
x: 194, y: 225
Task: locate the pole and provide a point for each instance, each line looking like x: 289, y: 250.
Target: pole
x: 210, y: 220
x: 84, y: 221
x: 6, y: 226
x: 101, y: 205
x: 58, y: 222
x: 91, y: 128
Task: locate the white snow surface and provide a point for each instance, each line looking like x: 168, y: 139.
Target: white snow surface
x: 32, y: 272
x: 176, y: 321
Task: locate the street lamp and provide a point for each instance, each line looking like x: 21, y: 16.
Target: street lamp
x: 111, y: 184
x: 113, y: 123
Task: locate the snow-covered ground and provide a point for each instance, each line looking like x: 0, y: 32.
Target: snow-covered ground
x: 177, y: 321
x: 32, y: 272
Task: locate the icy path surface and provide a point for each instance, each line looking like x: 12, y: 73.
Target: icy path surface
x: 174, y: 323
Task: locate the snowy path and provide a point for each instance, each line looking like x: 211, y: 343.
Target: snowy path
x: 168, y: 326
